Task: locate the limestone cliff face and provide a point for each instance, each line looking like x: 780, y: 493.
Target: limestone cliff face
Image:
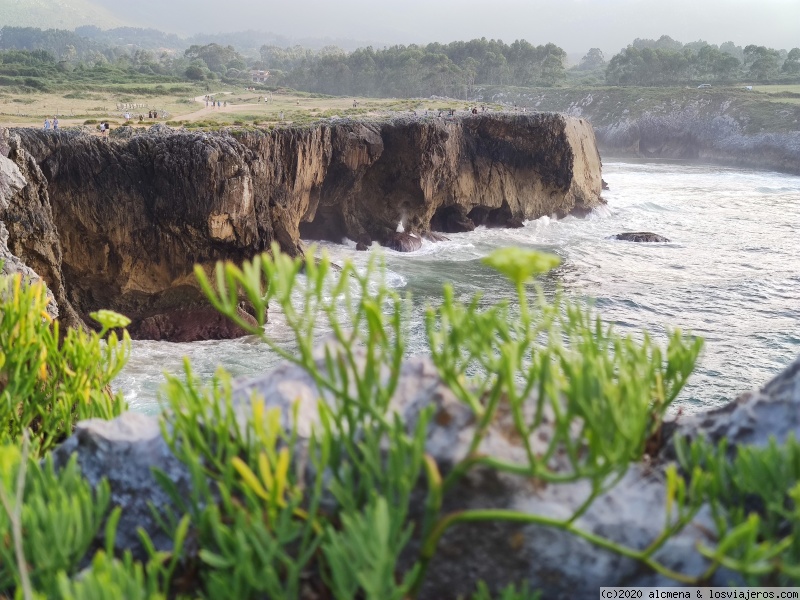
x: 133, y: 215
x: 26, y: 226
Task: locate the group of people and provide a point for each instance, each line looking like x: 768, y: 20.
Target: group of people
x: 54, y: 124
x: 214, y: 103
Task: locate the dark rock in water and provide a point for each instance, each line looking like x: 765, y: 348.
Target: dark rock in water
x: 515, y: 223
x: 452, y: 219
x: 189, y: 325
x: 640, y: 236
x: 432, y: 236
x: 581, y: 212
x: 604, y: 184
x: 403, y: 242
x: 363, y: 243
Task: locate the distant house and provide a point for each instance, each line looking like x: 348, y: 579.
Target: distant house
x: 259, y: 76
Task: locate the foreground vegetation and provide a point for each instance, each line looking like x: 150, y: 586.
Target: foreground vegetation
x: 255, y: 517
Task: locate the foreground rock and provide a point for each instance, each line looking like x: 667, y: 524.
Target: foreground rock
x: 772, y: 411
x: 133, y: 214
x: 559, y: 564
x: 640, y: 236
x: 125, y: 451
x: 22, y: 214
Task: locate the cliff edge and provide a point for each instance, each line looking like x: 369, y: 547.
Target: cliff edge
x: 135, y: 213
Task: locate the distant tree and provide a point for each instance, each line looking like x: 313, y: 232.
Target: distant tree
x: 594, y: 59
x: 663, y: 43
x: 434, y: 69
x: 712, y: 64
x: 697, y: 46
x: 792, y: 63
x: 553, y: 69
x: 733, y: 50
x: 762, y: 62
x: 194, y: 73
x: 650, y: 66
x: 217, y: 58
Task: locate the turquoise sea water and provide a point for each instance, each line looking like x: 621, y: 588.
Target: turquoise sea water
x: 730, y: 274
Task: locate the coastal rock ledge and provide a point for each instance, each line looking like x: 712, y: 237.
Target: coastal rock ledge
x: 134, y: 214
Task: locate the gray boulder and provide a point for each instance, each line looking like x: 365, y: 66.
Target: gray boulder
x: 125, y: 451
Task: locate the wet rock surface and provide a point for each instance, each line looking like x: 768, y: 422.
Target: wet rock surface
x: 641, y: 237
x: 189, y: 325
x: 403, y: 242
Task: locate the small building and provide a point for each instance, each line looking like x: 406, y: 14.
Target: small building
x: 259, y: 76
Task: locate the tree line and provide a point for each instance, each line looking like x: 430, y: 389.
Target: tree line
x: 452, y: 69
x: 668, y: 62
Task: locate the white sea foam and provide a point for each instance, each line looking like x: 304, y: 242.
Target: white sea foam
x: 730, y: 274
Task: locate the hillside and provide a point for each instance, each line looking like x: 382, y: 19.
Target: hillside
x: 57, y: 14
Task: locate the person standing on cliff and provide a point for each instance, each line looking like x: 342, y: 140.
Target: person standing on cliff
x: 55, y: 123
x: 46, y: 124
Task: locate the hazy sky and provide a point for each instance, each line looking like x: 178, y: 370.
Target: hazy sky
x: 576, y: 25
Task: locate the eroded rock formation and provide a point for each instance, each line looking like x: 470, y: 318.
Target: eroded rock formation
x: 134, y: 214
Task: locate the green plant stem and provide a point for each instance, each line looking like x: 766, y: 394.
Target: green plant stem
x: 472, y: 516
x: 15, y: 515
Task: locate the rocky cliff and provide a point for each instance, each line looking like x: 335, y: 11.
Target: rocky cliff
x: 26, y: 226
x: 133, y: 214
x: 730, y: 126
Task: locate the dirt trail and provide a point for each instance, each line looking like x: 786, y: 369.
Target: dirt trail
x: 199, y: 115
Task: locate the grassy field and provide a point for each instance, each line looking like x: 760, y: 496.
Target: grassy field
x: 188, y: 108
x: 764, y: 108
x: 73, y: 107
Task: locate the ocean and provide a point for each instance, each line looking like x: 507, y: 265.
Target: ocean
x: 731, y: 274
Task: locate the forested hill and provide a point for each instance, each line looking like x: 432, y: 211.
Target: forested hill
x: 56, y: 14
